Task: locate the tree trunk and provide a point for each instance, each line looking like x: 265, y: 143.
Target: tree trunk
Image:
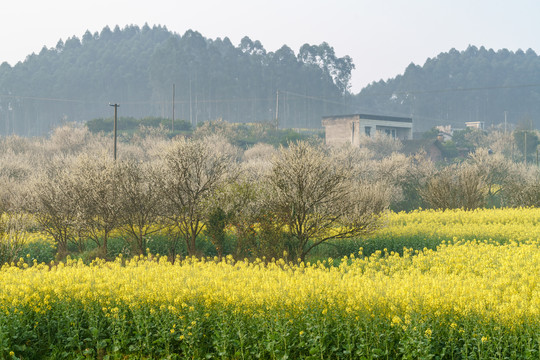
x: 190, y: 242
x: 141, y: 243
x: 61, y: 250
x: 102, y: 253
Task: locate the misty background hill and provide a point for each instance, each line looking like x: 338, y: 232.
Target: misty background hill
x: 456, y: 87
x: 137, y: 67
x: 215, y: 79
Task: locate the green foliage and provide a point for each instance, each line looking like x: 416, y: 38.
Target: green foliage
x: 242, y: 135
x: 247, y: 135
x: 461, y: 139
x: 41, y: 251
x: 215, y: 228
x: 118, y: 246
x: 77, y: 331
x: 273, y: 241
x: 448, y: 149
x: 337, y: 249
x: 431, y: 133
x: 131, y: 124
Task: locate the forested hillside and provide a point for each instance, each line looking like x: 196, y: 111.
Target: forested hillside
x: 137, y: 67
x: 472, y: 85
x: 215, y: 79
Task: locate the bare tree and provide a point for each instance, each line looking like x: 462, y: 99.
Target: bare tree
x: 16, y: 166
x: 70, y: 138
x: 524, y: 187
x: 95, y: 189
x: 239, y: 203
x: 17, y: 145
x: 317, y: 199
x: 13, y: 234
x: 381, y: 144
x: 140, y: 203
x: 14, y: 221
x: 404, y: 176
x: 500, y: 142
x: 150, y: 140
x: 496, y: 170
x: 52, y: 202
x: 191, y: 171
x: 456, y: 186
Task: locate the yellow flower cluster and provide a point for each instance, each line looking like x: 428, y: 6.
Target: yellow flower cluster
x: 518, y: 224
x: 469, y: 295
x: 493, y: 282
x: 40, y: 237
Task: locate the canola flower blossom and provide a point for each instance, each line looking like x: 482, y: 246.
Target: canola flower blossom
x: 470, y: 286
x: 421, y: 229
x: 468, y: 298
x: 501, y: 225
x: 495, y: 282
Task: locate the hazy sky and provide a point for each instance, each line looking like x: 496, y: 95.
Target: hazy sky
x: 382, y: 36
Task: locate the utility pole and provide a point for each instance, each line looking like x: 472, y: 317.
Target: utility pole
x: 505, y: 114
x: 115, y: 126
x: 513, y: 145
x: 173, y: 90
x: 525, y: 148
x: 190, y: 106
x: 196, y: 110
x: 277, y: 109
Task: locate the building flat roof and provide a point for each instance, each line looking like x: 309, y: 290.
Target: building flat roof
x: 372, y: 117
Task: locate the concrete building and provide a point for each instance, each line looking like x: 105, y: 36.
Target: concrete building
x: 343, y: 129
x: 475, y: 125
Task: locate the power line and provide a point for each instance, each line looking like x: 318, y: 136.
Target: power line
x: 313, y: 98
x: 432, y: 91
x: 149, y: 102
x: 115, y: 125
x: 21, y: 97
x: 271, y: 99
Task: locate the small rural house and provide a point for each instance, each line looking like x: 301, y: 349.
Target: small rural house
x: 475, y: 125
x: 342, y: 129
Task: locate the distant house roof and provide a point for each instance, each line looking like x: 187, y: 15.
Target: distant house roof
x: 371, y: 117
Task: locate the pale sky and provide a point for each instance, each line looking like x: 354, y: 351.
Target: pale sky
x: 382, y: 36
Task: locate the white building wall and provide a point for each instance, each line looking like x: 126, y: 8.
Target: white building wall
x: 342, y: 130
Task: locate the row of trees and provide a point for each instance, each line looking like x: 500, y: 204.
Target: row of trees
x: 290, y: 198
x: 476, y: 84
x: 137, y: 67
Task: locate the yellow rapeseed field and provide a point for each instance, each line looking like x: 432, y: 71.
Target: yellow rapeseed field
x: 518, y: 224
x: 468, y: 298
x: 495, y: 282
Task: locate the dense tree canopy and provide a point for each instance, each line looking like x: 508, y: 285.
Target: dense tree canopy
x: 215, y: 79
x: 456, y: 87
x: 137, y: 67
